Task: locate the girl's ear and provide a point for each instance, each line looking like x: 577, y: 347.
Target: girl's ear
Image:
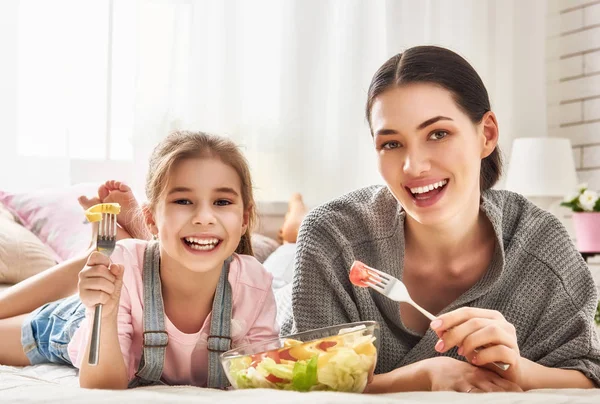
x: 246, y: 220
x: 149, y: 219
x: 490, y: 134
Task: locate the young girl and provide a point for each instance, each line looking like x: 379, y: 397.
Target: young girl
x: 501, y: 274
x: 171, y: 305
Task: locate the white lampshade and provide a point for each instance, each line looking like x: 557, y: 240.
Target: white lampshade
x: 541, y: 167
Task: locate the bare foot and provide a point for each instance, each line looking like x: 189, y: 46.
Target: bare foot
x: 293, y: 218
x: 87, y: 203
x: 130, y: 217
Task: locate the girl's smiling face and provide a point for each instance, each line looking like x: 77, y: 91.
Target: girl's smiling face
x: 429, y: 151
x: 201, y: 216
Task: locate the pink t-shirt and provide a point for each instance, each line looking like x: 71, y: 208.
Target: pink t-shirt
x: 186, y: 358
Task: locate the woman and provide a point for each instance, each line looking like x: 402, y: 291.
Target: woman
x: 499, y: 273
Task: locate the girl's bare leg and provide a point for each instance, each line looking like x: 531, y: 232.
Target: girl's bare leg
x: 55, y: 283
x: 293, y: 218
x: 11, y: 349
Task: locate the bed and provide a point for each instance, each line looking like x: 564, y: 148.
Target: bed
x: 53, y: 383
x: 29, y: 243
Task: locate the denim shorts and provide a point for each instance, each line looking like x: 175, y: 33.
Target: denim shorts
x: 47, y: 331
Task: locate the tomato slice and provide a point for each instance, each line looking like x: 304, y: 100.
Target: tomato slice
x: 274, y: 355
x: 274, y: 379
x: 285, y: 354
x: 256, y: 359
x: 325, y: 345
x: 359, y: 274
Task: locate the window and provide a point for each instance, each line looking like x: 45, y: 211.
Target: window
x: 75, y: 84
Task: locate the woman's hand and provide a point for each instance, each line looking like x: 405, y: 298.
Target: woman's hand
x: 495, y: 339
x: 100, y: 282
x: 449, y: 374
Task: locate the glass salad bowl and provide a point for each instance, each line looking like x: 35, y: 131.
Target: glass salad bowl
x: 337, y: 358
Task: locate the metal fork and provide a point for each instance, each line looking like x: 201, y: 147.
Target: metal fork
x: 395, y: 289
x: 106, y: 240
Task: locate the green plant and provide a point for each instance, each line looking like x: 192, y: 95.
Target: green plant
x: 583, y: 200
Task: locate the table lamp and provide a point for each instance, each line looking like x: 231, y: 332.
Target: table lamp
x: 542, y: 169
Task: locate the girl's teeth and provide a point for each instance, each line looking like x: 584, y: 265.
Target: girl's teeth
x: 202, y: 247
x: 202, y: 244
x: 201, y: 241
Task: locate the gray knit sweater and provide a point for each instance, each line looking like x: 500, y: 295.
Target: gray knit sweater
x: 536, y: 279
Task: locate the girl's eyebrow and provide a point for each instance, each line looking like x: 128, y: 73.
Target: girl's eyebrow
x: 227, y: 190
x: 179, y: 189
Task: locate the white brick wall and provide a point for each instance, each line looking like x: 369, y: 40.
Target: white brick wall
x: 591, y: 109
x: 591, y: 62
x: 573, y: 76
x: 594, y: 265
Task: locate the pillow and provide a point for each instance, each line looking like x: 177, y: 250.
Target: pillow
x: 5, y: 213
x: 22, y: 254
x: 263, y: 246
x: 283, y: 299
x: 54, y: 216
x: 281, y: 265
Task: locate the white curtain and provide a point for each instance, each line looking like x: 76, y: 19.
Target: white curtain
x: 287, y: 79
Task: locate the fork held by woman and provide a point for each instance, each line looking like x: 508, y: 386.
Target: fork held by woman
x: 365, y: 276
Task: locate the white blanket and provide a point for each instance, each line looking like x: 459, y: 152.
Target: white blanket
x: 53, y: 383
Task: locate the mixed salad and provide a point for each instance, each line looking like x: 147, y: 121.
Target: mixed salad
x: 340, y: 363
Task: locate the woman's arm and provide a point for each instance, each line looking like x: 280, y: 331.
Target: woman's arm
x: 542, y: 377
x: 110, y: 372
x: 318, y: 297
x: 440, y: 374
x: 412, y: 377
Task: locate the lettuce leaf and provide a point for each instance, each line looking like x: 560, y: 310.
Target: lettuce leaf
x: 305, y: 374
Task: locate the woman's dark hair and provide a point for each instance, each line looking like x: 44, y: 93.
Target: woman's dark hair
x: 440, y: 66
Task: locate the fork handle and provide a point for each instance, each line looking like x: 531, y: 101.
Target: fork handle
x: 422, y: 310
x: 95, y: 342
x: 499, y: 365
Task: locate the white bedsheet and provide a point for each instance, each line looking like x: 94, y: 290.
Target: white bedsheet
x: 52, y: 383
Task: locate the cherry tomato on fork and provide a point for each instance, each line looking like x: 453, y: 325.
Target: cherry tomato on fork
x: 359, y: 274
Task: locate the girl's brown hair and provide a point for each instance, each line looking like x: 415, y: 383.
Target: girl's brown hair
x: 181, y: 145
x: 440, y: 66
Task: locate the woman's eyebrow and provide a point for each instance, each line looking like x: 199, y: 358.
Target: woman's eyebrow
x: 433, y: 120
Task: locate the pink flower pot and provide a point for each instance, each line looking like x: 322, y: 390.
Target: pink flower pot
x: 587, y: 231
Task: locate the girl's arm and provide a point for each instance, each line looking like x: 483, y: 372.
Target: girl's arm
x: 258, y: 309
x: 110, y: 372
x: 101, y: 282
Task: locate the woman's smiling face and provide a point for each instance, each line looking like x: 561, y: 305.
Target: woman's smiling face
x: 429, y: 151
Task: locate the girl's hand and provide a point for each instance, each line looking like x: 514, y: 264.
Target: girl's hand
x: 449, y: 374
x: 100, y: 282
x: 470, y: 328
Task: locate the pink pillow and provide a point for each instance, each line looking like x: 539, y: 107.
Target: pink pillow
x: 54, y: 216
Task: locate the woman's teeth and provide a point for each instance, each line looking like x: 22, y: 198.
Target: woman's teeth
x: 202, y: 244
x: 427, y: 188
